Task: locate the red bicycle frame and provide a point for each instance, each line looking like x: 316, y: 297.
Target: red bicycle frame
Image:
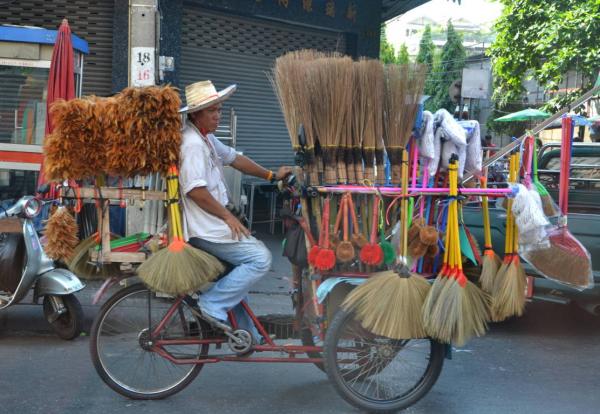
x: 292, y: 351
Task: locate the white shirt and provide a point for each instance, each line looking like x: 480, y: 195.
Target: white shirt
x: 202, y: 166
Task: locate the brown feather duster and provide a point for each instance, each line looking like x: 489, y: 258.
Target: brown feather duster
x: 61, y: 233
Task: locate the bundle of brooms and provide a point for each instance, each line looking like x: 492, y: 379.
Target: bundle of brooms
x: 389, y: 303
x: 508, y: 288
x: 455, y: 309
x: 403, y: 87
x: 179, y: 268
x: 490, y: 262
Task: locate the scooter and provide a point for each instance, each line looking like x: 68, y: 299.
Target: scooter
x: 57, y: 286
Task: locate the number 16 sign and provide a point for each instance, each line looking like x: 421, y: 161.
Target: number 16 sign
x: 142, y: 66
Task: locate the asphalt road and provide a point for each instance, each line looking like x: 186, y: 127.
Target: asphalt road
x: 544, y: 362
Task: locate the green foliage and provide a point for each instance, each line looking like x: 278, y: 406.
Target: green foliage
x: 543, y: 40
x: 426, y: 48
x: 387, y: 54
x: 447, y: 70
x: 403, y: 56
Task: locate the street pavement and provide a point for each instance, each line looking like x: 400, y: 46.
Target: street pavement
x: 544, y: 362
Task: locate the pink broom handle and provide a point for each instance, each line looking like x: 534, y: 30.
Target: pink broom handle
x: 424, y: 178
x: 415, y: 162
x: 528, y: 161
x: 565, y: 162
x: 413, y: 190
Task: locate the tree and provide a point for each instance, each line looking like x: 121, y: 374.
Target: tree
x: 387, y: 54
x: 426, y: 57
x: 403, y: 56
x: 449, y: 68
x: 426, y: 48
x: 543, y: 40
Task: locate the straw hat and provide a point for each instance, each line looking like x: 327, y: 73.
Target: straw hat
x: 203, y: 94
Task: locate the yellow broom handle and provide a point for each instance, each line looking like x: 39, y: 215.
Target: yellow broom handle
x: 404, y: 203
x: 487, y: 234
x: 455, y: 234
x: 515, y: 229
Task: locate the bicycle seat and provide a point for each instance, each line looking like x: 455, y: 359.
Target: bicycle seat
x: 228, y: 268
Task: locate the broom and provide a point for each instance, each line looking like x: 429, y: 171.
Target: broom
x: 372, y: 253
x: 180, y: 268
x: 61, y: 234
x: 509, y: 291
x: 566, y: 259
x: 359, y: 117
x: 345, y: 250
x: 389, y: 303
x: 80, y: 262
x: 325, y: 258
x: 461, y: 309
x: 491, y: 261
x: 358, y: 238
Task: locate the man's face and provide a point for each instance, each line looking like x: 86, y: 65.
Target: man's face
x: 208, y: 119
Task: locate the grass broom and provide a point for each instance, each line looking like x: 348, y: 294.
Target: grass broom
x: 80, y: 262
x: 389, y: 303
x: 491, y: 262
x: 462, y: 309
x: 565, y: 259
x: 179, y: 268
x: 509, y: 292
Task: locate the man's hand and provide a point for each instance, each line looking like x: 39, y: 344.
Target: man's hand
x: 237, y: 228
x: 283, y: 172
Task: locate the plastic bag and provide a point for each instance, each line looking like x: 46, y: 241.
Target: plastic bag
x: 474, y: 158
x: 452, y: 130
x: 426, y: 145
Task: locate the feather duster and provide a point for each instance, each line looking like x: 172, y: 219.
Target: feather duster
x: 61, y: 234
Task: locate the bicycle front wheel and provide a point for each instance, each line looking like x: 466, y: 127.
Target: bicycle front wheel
x: 375, y: 373
x: 121, y: 351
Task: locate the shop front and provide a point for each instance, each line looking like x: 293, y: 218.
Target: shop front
x: 25, y: 54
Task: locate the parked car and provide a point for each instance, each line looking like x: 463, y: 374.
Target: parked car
x: 583, y: 220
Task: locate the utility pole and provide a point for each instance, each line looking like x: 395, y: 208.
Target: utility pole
x: 143, y: 17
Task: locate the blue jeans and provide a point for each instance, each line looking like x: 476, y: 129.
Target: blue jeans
x: 252, y: 260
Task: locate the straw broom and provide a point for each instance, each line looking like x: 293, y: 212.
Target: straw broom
x: 180, y: 268
x: 359, y: 117
x: 462, y: 309
x: 80, y: 262
x: 328, y: 83
x: 389, y: 303
x: 404, y: 85
x: 509, y: 295
x: 491, y: 262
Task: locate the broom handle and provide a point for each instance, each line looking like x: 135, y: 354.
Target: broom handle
x: 325, y: 223
x: 355, y: 229
x: 456, y: 228
x: 345, y: 217
x: 338, y: 218
x: 374, y: 220
x: 404, y: 204
x: 565, y: 162
x: 485, y: 204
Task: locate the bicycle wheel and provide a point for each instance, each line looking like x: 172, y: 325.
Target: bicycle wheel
x: 121, y: 351
x: 375, y: 373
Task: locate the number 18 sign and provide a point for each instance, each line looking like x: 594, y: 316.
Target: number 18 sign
x: 142, y: 66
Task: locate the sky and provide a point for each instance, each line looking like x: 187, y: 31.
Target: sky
x: 477, y: 11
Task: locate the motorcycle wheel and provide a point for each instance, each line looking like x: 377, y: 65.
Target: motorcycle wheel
x: 68, y: 325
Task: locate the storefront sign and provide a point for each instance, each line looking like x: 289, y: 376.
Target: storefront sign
x: 142, y: 66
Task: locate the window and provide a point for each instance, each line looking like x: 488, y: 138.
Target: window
x: 22, y: 104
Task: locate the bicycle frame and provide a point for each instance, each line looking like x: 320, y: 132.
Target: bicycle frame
x: 292, y: 351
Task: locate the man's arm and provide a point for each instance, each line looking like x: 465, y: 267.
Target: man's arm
x: 202, y: 197
x: 247, y: 166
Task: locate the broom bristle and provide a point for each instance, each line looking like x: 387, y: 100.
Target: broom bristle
x: 434, y: 293
x: 460, y: 313
x: 390, y: 305
x: 509, y: 300
x: 81, y: 266
x: 177, y: 273
x: 489, y: 270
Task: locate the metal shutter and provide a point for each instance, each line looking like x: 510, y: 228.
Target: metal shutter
x: 231, y: 49
x: 92, y: 21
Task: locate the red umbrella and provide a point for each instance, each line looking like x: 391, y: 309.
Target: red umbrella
x: 61, y: 78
